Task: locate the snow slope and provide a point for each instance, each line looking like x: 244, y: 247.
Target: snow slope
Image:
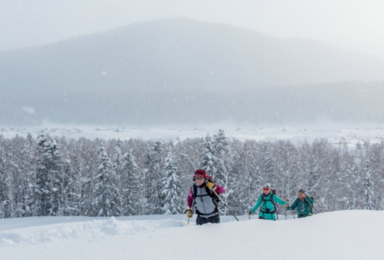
x: 337, y: 235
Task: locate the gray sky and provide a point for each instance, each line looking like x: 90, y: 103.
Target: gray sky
x: 351, y: 24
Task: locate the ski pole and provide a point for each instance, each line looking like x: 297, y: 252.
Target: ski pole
x: 249, y: 214
x: 189, y: 215
x: 277, y: 211
x: 225, y: 204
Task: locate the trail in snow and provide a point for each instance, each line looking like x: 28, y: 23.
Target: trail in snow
x: 337, y: 235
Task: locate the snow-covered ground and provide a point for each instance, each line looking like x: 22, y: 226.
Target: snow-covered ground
x: 338, y: 235
x: 334, y: 133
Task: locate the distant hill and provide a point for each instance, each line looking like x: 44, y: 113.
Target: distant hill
x: 176, y: 71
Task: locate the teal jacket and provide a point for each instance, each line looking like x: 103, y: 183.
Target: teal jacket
x: 267, y: 208
x: 303, y: 207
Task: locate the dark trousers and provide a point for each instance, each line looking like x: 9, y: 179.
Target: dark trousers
x: 266, y: 219
x: 201, y: 220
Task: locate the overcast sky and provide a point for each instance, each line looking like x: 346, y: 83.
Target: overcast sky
x: 351, y: 24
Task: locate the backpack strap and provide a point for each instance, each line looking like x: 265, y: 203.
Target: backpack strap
x: 194, y: 191
x: 209, y: 193
x: 270, y: 199
x: 273, y: 202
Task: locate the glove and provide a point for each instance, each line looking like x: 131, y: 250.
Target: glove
x: 189, y: 213
x: 211, y: 186
x: 250, y: 212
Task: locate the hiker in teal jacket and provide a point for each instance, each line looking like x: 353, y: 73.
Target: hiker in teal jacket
x: 303, y: 204
x: 267, y: 202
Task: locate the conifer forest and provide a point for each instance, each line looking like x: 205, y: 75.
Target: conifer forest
x: 47, y: 176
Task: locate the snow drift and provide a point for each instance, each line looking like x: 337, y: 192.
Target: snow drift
x: 337, y: 235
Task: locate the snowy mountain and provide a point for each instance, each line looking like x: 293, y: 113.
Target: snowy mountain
x: 337, y: 235
x: 175, y: 70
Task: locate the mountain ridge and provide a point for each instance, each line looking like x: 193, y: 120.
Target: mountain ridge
x: 137, y: 68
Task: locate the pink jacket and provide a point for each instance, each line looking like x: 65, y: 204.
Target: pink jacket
x: 219, y: 190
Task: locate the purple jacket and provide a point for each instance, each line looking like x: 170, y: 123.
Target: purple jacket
x: 219, y: 190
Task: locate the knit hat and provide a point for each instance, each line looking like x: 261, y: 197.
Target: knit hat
x: 267, y: 185
x: 302, y: 191
x: 201, y: 173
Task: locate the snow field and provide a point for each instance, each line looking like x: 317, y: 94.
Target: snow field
x: 337, y: 235
x: 333, y: 132
x: 85, y: 230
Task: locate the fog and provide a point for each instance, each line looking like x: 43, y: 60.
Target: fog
x: 190, y: 62
x: 352, y: 24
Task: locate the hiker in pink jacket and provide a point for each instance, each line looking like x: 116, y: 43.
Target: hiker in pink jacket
x: 202, y: 197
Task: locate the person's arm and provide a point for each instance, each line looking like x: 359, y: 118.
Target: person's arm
x: 219, y: 189
x: 190, y: 198
x: 293, y: 206
x: 257, y: 204
x: 278, y: 200
x: 309, y: 200
x: 213, y: 186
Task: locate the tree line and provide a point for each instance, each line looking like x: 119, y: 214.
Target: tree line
x: 46, y: 176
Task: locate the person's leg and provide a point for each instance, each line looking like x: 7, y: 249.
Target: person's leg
x: 270, y: 216
x: 201, y: 220
x: 214, y: 219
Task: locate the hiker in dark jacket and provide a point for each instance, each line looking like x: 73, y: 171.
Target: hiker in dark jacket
x: 303, y: 204
x: 266, y: 202
x: 202, y: 197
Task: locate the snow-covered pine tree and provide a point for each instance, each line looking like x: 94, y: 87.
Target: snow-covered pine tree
x: 116, y: 171
x: 119, y: 143
x: 133, y: 192
x: 29, y: 138
x: 268, y: 170
x: 220, y: 143
x: 313, y: 179
x: 222, y: 162
x: 209, y: 161
x: 236, y: 189
x: 154, y: 175
x: 25, y: 181
x: 71, y: 190
x: 171, y: 186
x: 4, y: 195
x: 105, y: 202
x: 333, y: 183
x: 254, y: 182
x: 48, y: 177
x: 368, y: 188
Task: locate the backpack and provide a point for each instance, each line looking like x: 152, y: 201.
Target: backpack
x: 215, y: 200
x: 313, y: 201
x: 271, y: 199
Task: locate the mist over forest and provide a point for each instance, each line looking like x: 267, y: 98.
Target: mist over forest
x: 182, y: 71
